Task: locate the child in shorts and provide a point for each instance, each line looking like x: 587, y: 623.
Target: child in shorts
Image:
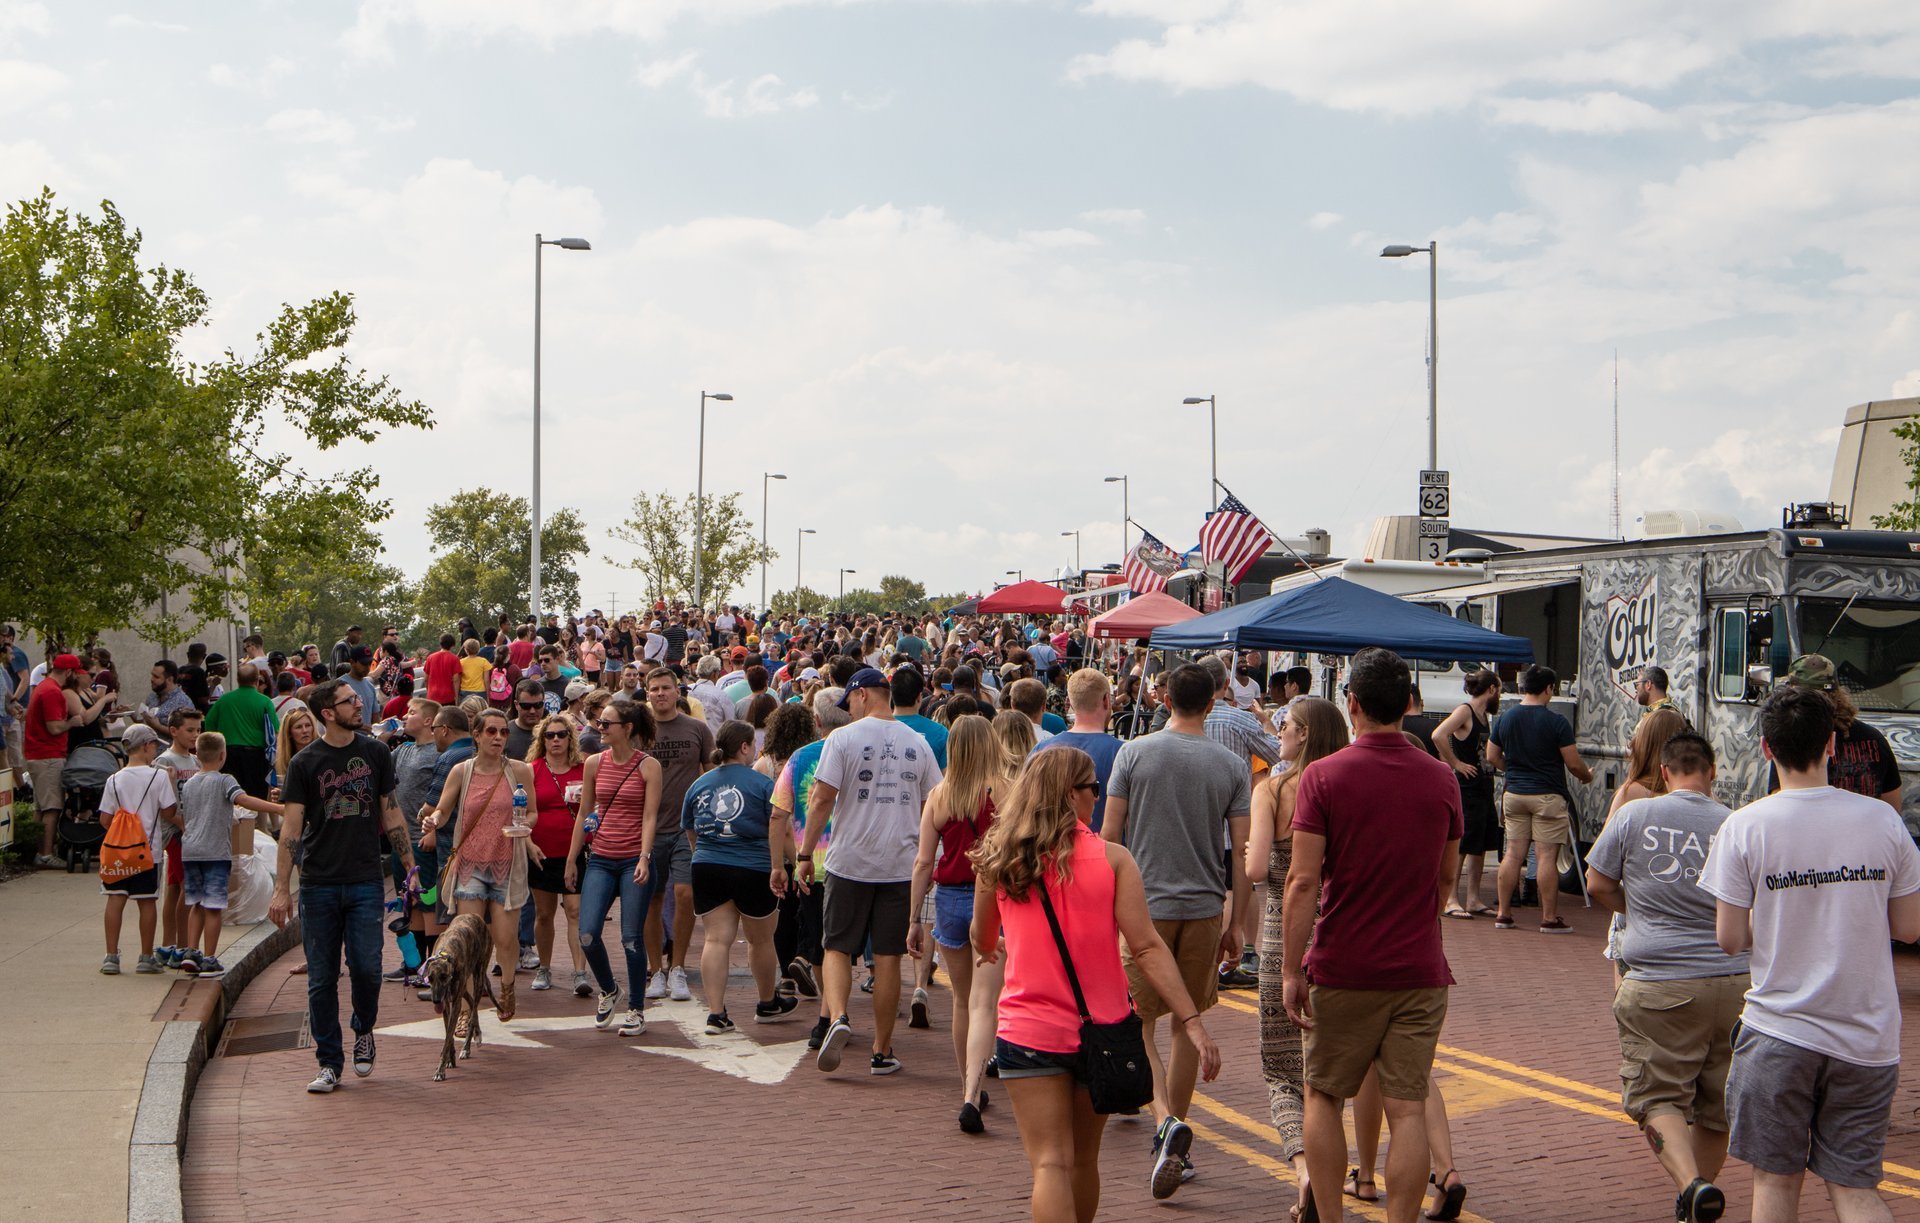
x: 207, y: 809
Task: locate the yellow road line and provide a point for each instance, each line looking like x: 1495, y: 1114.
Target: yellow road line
x: 1552, y: 1080
x: 1534, y: 1093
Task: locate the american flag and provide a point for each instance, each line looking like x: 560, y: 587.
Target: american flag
x: 1150, y: 564
x: 1234, y: 537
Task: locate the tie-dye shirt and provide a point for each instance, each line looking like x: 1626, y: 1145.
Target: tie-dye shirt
x: 790, y: 795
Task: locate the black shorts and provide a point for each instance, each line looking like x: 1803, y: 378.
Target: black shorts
x: 743, y: 887
x: 858, y: 913
x: 551, y: 875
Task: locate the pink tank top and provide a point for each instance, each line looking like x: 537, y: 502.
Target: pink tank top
x: 485, y: 841
x: 1036, y: 1006
x: 620, y: 795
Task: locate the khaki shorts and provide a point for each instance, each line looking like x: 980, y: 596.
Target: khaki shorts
x: 1354, y: 1029
x: 1196, y: 952
x: 45, y: 776
x: 1540, y: 818
x: 1676, y: 1046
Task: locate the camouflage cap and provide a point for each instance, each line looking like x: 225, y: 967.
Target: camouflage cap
x: 1811, y: 671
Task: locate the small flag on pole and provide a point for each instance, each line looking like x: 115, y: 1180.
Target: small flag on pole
x: 1150, y: 564
x: 1233, y: 537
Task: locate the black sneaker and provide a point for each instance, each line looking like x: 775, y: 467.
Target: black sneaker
x: 803, y: 978
x: 833, y: 1044
x: 818, y: 1034
x: 1170, y: 1147
x: 1700, y: 1202
x: 773, y: 1012
x: 918, y: 1011
x: 718, y: 1025
x: 1238, y: 977
x: 866, y: 986
x: 970, y: 1122
x: 363, y: 1054
x: 884, y: 1063
x: 395, y: 976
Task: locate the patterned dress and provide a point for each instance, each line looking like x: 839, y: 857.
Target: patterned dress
x: 1282, y: 1062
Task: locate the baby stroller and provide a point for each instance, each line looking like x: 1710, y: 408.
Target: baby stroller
x: 81, y: 782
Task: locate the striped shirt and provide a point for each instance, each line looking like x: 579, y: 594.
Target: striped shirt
x: 1242, y: 734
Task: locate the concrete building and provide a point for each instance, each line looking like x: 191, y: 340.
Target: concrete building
x: 1869, y: 475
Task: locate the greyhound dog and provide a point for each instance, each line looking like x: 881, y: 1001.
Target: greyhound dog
x: 456, y: 975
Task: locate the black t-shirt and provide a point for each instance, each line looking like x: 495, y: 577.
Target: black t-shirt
x: 1530, y: 737
x: 676, y: 635
x: 193, y: 682
x: 550, y: 634
x: 341, y: 791
x: 1863, y: 763
x: 1421, y: 726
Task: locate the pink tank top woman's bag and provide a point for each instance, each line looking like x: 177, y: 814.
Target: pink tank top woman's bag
x: 1119, y: 1078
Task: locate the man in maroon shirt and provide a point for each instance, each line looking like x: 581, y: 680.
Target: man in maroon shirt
x: 1376, y: 839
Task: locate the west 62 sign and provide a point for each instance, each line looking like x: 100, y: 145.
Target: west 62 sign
x: 1630, y: 634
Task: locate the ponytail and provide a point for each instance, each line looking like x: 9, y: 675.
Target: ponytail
x: 728, y: 740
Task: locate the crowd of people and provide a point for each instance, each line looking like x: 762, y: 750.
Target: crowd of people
x: 1085, y: 843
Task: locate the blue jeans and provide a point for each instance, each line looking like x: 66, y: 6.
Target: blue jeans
x: 526, y: 924
x: 333, y: 916
x: 603, y: 879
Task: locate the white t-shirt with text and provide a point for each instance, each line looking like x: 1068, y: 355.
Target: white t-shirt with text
x: 882, y: 770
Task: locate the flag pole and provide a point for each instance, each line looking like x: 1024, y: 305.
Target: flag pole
x: 1278, y: 538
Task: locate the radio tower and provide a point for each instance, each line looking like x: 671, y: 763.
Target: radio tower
x: 1616, y: 444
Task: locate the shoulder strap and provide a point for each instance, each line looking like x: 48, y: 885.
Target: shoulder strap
x: 1060, y: 941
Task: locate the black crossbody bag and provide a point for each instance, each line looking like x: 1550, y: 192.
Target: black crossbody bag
x: 1118, y: 1076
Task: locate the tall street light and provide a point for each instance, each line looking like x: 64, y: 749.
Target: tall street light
x: 1076, y: 549
x: 843, y: 585
x: 1126, y: 511
x: 1432, y: 251
x: 764, y: 477
x: 1018, y: 575
x: 539, y: 245
x: 1213, y: 446
x: 700, y: 493
x: 799, y: 542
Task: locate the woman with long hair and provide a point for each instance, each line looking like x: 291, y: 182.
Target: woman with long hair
x: 620, y: 802
x: 559, y: 769
x: 1644, y: 780
x: 1312, y: 729
x: 758, y: 711
x: 739, y: 874
x: 957, y: 813
x: 1461, y: 743
x: 1040, y: 845
x: 789, y: 729
x: 486, y: 871
x: 1015, y: 732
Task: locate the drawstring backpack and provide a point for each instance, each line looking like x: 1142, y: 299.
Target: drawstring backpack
x: 125, y: 853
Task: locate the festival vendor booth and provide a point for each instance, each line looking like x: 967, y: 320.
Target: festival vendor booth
x: 1028, y: 598
x: 1138, y: 617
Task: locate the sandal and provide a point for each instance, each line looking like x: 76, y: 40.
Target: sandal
x: 1452, y: 1197
x: 1353, y: 1183
x: 503, y: 1006
x: 1456, y: 911
x: 1484, y: 911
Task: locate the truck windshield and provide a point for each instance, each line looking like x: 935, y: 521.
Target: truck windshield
x: 1874, y: 645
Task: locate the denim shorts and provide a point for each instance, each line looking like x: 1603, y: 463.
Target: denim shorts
x: 480, y: 885
x: 953, y: 914
x: 1020, y: 1062
x: 206, y: 884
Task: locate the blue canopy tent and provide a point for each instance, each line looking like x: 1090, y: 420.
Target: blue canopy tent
x: 1335, y: 616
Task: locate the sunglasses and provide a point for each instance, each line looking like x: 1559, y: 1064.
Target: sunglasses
x: 606, y: 723
x: 555, y: 734
x: 1088, y: 785
x: 531, y: 704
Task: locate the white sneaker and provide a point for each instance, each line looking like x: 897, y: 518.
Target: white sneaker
x: 677, y: 985
x: 635, y: 1024
x: 543, y: 978
x: 529, y: 959
x: 657, y: 986
x: 582, y: 988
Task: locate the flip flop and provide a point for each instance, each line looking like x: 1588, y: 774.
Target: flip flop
x: 1485, y: 911
x: 1455, y: 911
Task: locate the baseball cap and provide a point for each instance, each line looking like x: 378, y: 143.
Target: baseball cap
x: 137, y: 736
x: 738, y: 652
x: 865, y: 677
x: 67, y: 662
x: 360, y: 653
x: 1812, y: 671
x: 577, y: 689
x: 809, y: 674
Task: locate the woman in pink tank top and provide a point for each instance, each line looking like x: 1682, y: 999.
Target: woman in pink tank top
x: 1040, y: 838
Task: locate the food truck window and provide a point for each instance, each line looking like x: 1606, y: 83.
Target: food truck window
x: 1874, y: 645
x: 1730, y: 667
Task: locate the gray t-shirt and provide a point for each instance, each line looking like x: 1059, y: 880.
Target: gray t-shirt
x: 1180, y: 791
x: 1656, y: 848
x: 413, y: 781
x: 206, y: 808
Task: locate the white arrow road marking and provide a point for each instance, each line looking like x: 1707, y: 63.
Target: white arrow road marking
x: 736, y: 1053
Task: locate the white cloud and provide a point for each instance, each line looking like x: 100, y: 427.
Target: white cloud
x: 28, y: 166
x: 309, y: 126
x: 128, y: 21
x: 28, y: 86
x: 1119, y: 218
x: 542, y: 21
x: 1592, y: 113
x: 19, y: 17
x: 764, y: 95
x: 261, y: 80
x: 1323, y: 220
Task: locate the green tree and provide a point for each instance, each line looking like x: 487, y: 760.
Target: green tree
x: 484, y: 558
x: 141, y: 474
x: 860, y: 602
x: 903, y: 594
x: 661, y: 527
x: 1905, y: 515
x: 783, y: 603
x: 296, y: 597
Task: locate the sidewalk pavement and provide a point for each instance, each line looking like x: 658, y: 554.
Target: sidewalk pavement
x: 74, y: 1053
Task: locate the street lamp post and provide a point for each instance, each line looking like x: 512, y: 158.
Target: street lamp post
x: 539, y: 243
x: 1126, y: 511
x: 799, y: 542
x: 1076, y: 550
x: 843, y: 586
x: 1432, y: 251
x: 1018, y: 575
x: 1213, y: 444
x: 764, y: 477
x: 700, y: 492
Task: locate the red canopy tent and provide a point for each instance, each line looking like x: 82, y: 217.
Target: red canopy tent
x: 1028, y: 598
x: 1136, y: 619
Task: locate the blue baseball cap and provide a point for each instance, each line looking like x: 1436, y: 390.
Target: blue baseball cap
x: 865, y: 677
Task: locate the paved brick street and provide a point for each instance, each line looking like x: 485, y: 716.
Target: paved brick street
x: 567, y: 1123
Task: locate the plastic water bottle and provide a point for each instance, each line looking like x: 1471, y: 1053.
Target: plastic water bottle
x: 519, y: 805
x: 593, y: 822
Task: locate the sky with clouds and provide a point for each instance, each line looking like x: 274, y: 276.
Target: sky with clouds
x: 957, y: 260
